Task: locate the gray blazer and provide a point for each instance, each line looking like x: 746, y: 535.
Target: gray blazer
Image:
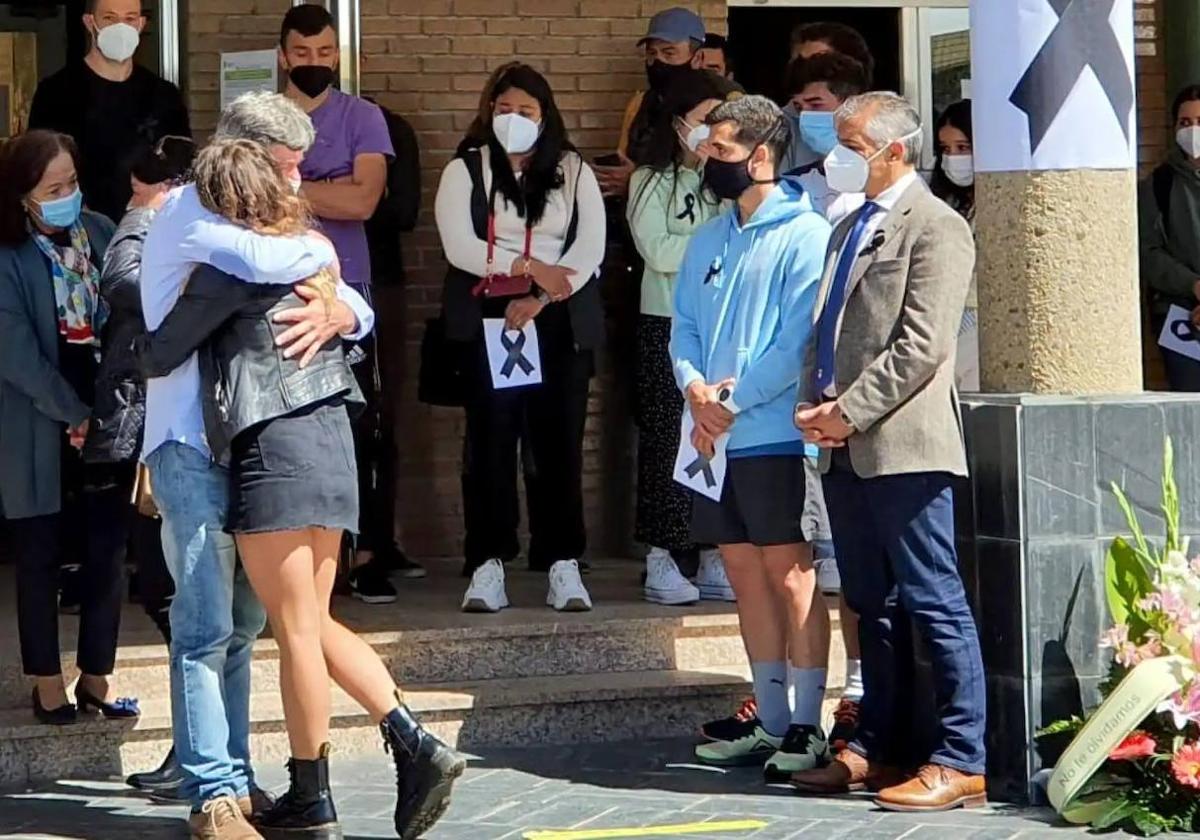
x: 36, y: 403
x: 895, y: 351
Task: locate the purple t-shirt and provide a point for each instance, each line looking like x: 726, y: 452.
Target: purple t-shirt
x: 346, y: 128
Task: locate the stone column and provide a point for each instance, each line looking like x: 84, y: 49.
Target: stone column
x: 1056, y: 215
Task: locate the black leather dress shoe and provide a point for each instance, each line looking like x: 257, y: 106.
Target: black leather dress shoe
x: 163, y: 781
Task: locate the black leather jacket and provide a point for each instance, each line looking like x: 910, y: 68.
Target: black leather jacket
x: 245, y: 378
x: 118, y: 417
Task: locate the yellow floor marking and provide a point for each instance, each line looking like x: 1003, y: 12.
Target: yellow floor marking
x: 646, y: 831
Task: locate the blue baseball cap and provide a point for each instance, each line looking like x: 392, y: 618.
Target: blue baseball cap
x: 675, y: 25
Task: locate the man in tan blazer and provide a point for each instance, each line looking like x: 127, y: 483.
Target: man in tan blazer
x: 881, y: 403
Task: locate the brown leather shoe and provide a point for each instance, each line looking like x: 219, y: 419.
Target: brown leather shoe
x: 935, y: 788
x: 848, y: 772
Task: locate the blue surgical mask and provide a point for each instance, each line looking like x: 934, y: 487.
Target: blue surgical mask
x: 61, y: 212
x: 818, y: 131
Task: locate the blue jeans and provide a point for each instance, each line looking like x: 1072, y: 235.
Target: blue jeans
x: 215, y: 618
x: 895, y: 552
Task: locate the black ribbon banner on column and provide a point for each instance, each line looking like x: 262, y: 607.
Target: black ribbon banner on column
x: 1082, y: 38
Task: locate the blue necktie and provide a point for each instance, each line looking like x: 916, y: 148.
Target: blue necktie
x: 827, y: 324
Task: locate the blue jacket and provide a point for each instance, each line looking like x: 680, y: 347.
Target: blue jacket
x: 744, y: 305
x: 36, y: 403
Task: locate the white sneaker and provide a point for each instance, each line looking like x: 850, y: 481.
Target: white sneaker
x: 665, y: 584
x: 829, y: 580
x: 486, y: 592
x: 711, y: 580
x: 567, y: 592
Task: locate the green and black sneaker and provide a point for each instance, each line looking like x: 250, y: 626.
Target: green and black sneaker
x: 749, y: 745
x: 804, y: 748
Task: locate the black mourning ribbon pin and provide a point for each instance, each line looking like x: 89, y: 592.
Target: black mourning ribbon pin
x: 713, y: 271
x: 1082, y: 38
x: 516, y: 355
x: 689, y: 209
x: 1185, y: 330
x: 701, y: 464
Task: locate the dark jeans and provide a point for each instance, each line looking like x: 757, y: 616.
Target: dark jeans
x: 548, y: 419
x: 375, y: 453
x: 155, y: 589
x: 894, y: 537
x: 95, y: 501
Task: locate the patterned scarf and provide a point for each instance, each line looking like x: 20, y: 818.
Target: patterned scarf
x: 81, y: 310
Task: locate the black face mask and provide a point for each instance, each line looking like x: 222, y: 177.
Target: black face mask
x: 661, y: 76
x: 728, y: 179
x: 311, y: 79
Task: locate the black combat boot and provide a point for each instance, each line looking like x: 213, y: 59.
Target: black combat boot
x: 163, y: 784
x: 425, y: 771
x: 306, y: 809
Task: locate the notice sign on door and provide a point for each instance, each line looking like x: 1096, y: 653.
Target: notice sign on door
x: 1053, y: 85
x: 248, y: 72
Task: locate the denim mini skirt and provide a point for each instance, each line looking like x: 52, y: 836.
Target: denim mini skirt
x: 295, y: 472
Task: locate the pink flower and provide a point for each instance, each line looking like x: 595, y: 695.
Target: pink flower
x: 1186, y: 765
x: 1184, y: 705
x: 1137, y: 744
x: 1116, y: 636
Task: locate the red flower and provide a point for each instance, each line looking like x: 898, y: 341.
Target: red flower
x: 1137, y: 744
x: 1186, y: 765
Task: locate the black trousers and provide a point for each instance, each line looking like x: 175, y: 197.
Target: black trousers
x: 96, y: 501
x: 548, y: 419
x: 375, y: 453
x: 155, y: 589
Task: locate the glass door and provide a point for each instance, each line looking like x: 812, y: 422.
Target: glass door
x: 943, y: 65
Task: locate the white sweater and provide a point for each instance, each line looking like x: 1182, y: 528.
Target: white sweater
x: 466, y: 251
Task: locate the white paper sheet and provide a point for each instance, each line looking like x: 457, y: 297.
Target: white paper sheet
x: 706, y: 477
x: 1084, y: 132
x: 513, y: 356
x: 1178, y: 335
x: 248, y: 72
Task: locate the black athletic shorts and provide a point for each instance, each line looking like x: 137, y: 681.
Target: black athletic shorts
x: 762, y: 503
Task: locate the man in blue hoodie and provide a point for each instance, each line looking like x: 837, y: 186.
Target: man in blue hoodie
x: 743, y: 319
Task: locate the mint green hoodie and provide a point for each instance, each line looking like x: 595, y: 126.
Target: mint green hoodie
x: 664, y: 210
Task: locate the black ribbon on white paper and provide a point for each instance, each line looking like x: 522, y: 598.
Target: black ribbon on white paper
x: 1184, y: 330
x: 1082, y: 38
x: 516, y: 355
x: 701, y: 464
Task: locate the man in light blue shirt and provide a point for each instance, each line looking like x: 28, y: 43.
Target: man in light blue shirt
x: 215, y: 616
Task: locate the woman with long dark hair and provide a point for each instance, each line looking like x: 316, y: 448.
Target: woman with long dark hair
x: 522, y: 224
x: 51, y: 320
x: 667, y: 202
x: 285, y: 425
x: 953, y: 181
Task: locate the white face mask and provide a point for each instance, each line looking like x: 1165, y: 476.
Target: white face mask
x: 960, y: 169
x: 1189, y: 140
x: 846, y: 171
x: 517, y: 134
x: 118, y: 42
x: 295, y: 184
x: 696, y: 137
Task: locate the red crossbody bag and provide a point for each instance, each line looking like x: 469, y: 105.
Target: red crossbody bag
x: 495, y: 285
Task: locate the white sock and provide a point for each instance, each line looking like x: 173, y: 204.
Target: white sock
x: 854, y: 686
x: 808, y: 692
x: 771, y: 695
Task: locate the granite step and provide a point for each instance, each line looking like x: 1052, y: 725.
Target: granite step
x: 567, y: 709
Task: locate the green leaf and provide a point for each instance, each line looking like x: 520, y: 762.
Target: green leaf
x: 1117, y: 811
x: 1145, y: 823
x: 1125, y: 580
x: 1071, y: 724
x: 1083, y: 810
x: 1135, y: 527
x: 1170, y: 499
